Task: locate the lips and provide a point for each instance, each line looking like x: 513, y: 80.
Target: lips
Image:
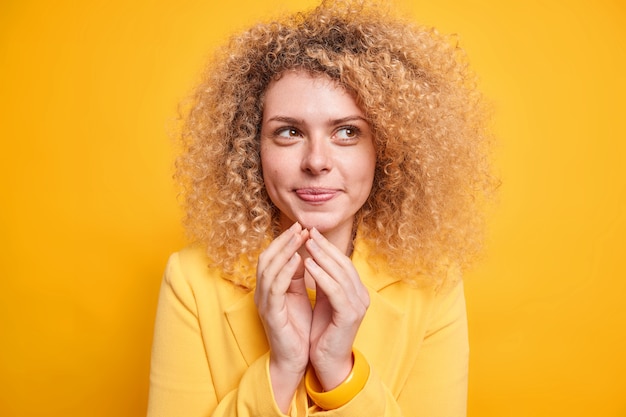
x: 316, y: 195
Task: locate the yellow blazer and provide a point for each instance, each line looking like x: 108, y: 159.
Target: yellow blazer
x: 210, y: 354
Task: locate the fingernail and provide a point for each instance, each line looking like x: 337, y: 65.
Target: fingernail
x: 294, y: 226
x: 310, y: 263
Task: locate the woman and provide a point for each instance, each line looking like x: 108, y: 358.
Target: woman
x: 333, y: 168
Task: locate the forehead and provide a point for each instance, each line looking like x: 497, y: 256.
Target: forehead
x: 302, y: 92
x: 303, y: 80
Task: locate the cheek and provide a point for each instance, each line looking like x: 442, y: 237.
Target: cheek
x: 277, y: 164
x: 266, y: 163
x: 270, y: 171
x: 368, y: 180
x: 367, y: 166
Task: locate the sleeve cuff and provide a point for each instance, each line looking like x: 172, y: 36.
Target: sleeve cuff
x: 255, y: 389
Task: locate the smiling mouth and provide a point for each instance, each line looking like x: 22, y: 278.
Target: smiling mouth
x: 316, y: 195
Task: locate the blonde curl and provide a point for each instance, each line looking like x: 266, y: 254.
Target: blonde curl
x: 425, y: 211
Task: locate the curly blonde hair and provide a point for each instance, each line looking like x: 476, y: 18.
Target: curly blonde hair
x: 432, y: 172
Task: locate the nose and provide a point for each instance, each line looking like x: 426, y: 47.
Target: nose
x: 317, y: 158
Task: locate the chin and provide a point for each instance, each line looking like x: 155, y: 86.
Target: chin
x: 323, y: 225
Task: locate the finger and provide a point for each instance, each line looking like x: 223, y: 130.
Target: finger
x: 332, y: 251
x: 275, y: 296
x: 278, y: 246
x: 337, y: 265
x: 343, y: 297
x: 275, y: 258
x: 276, y: 278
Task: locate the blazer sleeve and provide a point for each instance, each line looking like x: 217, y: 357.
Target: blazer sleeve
x: 180, y: 381
x: 181, y: 384
x: 437, y: 382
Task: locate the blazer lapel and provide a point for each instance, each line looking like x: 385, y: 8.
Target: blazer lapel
x: 383, y: 333
x: 380, y: 337
x: 247, y: 328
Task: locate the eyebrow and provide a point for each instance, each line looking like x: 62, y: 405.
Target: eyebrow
x: 293, y: 120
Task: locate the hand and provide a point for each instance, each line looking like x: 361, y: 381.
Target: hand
x: 285, y: 311
x: 340, y: 306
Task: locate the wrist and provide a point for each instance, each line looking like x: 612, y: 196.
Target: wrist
x: 284, y: 382
x: 345, y: 391
x: 331, y: 373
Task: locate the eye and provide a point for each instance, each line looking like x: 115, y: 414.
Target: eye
x: 288, y: 132
x: 347, y: 133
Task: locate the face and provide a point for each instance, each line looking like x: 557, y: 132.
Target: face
x: 317, y: 151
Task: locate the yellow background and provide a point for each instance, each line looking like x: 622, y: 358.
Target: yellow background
x: 88, y: 211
